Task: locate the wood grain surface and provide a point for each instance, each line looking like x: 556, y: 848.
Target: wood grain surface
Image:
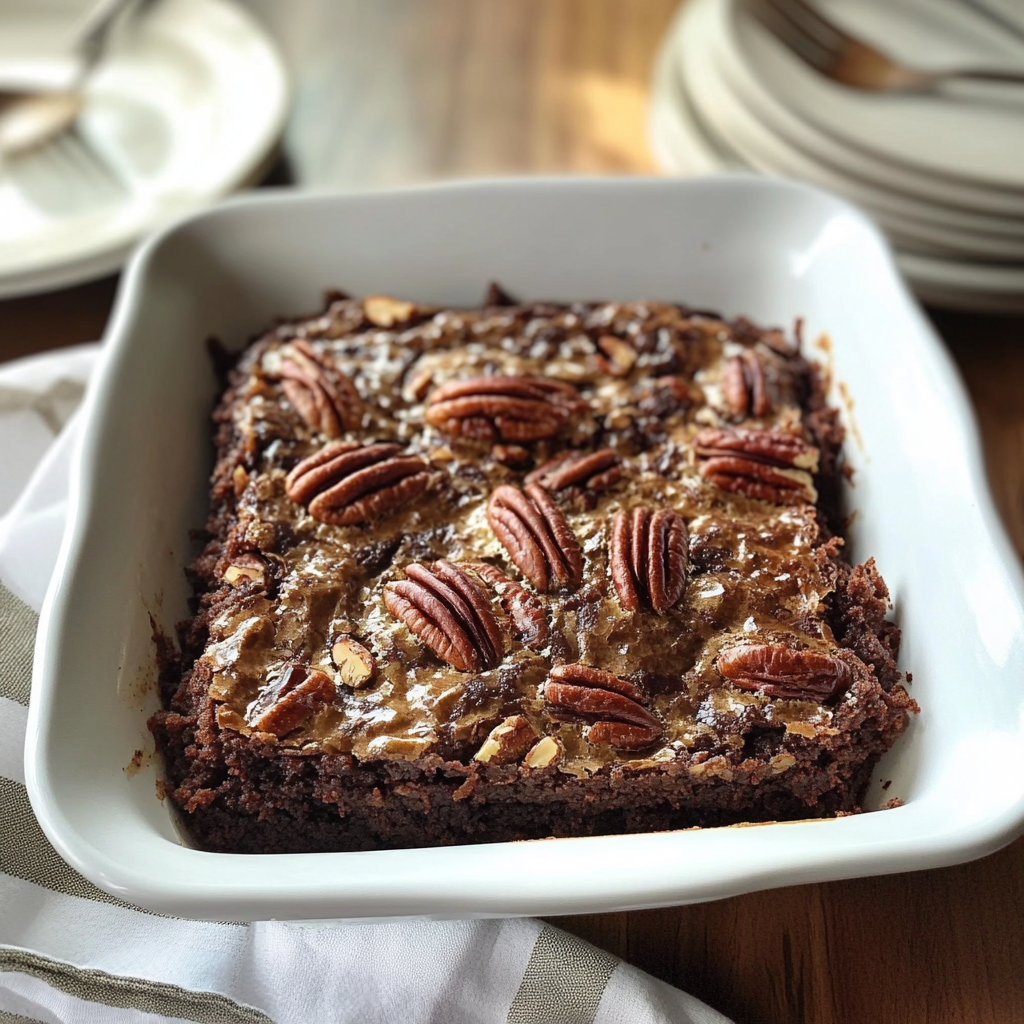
x: 393, y: 91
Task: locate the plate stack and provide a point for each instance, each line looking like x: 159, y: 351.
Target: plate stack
x: 942, y: 174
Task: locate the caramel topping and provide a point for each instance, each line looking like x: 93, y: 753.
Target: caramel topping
x: 749, y: 574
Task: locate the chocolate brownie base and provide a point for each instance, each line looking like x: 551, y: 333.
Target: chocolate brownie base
x: 693, y: 742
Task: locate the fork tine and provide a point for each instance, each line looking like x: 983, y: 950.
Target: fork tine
x: 90, y: 165
x: 814, y: 23
x: 791, y: 34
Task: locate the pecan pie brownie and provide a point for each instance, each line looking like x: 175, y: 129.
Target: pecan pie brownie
x: 523, y: 571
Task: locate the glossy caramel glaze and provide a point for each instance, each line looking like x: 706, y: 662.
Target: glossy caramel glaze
x: 755, y: 574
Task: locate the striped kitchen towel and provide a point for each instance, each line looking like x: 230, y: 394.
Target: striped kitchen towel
x: 70, y: 952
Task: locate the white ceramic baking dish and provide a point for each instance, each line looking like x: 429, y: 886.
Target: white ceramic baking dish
x: 771, y: 250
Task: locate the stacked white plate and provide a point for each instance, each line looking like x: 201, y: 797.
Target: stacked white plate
x: 187, y: 105
x: 942, y: 174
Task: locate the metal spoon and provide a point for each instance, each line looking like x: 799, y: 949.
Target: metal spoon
x: 31, y: 119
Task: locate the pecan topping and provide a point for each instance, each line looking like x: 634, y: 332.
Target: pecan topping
x: 350, y: 482
x: 744, y: 386
x: 526, y: 614
x: 246, y: 567
x: 768, y: 464
x: 355, y: 664
x: 667, y: 396
x: 606, y: 700
x: 449, y: 611
x: 617, y: 356
x: 510, y: 454
x: 546, y: 752
x: 536, y: 536
x: 593, y: 471
x: 384, y: 311
x: 649, y: 556
x: 620, y: 734
x: 290, y: 700
x: 507, y: 742
x: 326, y: 399
x: 784, y: 672
x: 513, y: 409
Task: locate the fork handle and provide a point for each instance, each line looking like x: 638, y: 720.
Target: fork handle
x: 1004, y: 77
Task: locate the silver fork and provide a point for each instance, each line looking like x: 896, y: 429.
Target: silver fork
x: 836, y: 54
x: 67, y: 177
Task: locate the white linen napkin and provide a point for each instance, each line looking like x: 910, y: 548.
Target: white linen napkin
x: 71, y: 953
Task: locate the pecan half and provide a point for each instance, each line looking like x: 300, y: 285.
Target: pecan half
x: 536, y: 536
x: 592, y: 471
x: 744, y: 386
x: 649, y: 555
x: 349, y: 482
x: 290, y: 700
x: 499, y: 408
x: 450, y: 612
x: 525, y: 613
x: 622, y: 735
x: 604, y: 699
x: 325, y: 399
x: 768, y: 464
x: 784, y: 671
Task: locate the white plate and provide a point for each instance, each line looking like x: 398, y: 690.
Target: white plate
x: 676, y: 136
x: 957, y: 284
x: 187, y: 107
x: 769, y: 249
x: 978, y: 142
x: 730, y: 29
x: 676, y: 140
x: 908, y: 221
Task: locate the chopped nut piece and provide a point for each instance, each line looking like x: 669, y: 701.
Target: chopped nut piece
x: 507, y: 742
x: 290, y: 700
x: 418, y: 384
x: 620, y: 355
x: 240, y: 479
x: 355, y: 664
x: 510, y: 454
x: 385, y: 311
x: 544, y: 753
x: 246, y: 567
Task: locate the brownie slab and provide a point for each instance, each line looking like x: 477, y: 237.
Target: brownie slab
x: 522, y: 571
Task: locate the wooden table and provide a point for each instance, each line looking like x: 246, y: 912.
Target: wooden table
x: 405, y: 90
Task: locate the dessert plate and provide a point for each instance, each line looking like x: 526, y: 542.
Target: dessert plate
x: 912, y: 222
x: 769, y: 249
x: 924, y: 132
x: 187, y: 107
x: 725, y: 30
